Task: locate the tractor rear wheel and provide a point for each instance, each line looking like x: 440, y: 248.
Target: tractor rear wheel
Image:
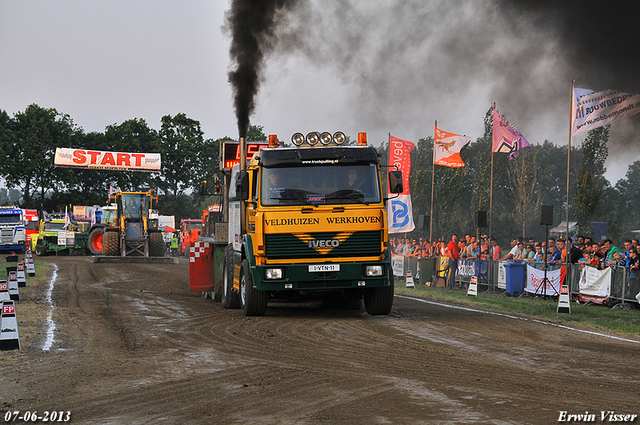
x: 95, y: 240
x: 157, y: 246
x: 111, y: 244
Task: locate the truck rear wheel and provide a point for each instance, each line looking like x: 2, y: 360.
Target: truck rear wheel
x: 156, y: 245
x: 378, y: 301
x: 230, y: 299
x: 252, y: 301
x: 95, y: 240
x: 111, y: 244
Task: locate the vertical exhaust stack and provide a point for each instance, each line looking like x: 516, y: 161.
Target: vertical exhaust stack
x: 243, y: 153
x: 252, y: 25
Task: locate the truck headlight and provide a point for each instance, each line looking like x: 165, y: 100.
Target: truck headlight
x: 273, y: 273
x: 374, y: 271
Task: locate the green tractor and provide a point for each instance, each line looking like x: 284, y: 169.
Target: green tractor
x: 133, y: 232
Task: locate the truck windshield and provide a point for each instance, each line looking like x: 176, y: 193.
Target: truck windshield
x: 10, y: 219
x: 53, y: 226
x: 135, y: 206
x: 320, y: 185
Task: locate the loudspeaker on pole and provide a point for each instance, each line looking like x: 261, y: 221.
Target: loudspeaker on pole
x: 546, y: 215
x: 481, y: 219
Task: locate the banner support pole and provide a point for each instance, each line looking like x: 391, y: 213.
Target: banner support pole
x: 433, y: 176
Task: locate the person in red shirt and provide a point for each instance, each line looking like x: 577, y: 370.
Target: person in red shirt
x: 454, y: 254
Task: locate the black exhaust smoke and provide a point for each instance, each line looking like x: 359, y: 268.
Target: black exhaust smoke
x: 252, y: 24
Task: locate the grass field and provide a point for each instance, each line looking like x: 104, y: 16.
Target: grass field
x: 593, y: 317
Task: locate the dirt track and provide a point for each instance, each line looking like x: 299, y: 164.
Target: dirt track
x: 133, y: 345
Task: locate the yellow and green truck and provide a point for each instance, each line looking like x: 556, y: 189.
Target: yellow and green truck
x: 53, y: 237
x: 308, y: 221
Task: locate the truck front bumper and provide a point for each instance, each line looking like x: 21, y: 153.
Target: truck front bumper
x: 325, y: 276
x: 16, y: 247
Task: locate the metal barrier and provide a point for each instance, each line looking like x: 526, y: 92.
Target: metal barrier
x: 623, y: 289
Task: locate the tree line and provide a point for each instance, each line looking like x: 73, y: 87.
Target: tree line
x: 28, y: 141
x: 520, y: 187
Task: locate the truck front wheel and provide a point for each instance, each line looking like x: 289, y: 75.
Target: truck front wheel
x: 252, y: 301
x: 41, y: 250
x: 378, y: 301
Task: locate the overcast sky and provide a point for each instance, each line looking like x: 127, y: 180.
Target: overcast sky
x: 378, y: 66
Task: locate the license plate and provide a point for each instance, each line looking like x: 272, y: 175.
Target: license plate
x: 324, y: 268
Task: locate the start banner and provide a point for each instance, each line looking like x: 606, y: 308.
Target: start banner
x: 101, y: 160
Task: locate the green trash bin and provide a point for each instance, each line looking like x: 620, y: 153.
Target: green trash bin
x: 426, y: 268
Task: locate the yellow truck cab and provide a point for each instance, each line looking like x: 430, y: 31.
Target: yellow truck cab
x: 309, y: 220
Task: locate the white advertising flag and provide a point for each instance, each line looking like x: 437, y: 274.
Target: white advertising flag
x: 593, y: 109
x: 400, y: 214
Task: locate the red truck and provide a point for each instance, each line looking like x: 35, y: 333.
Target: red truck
x: 190, y: 230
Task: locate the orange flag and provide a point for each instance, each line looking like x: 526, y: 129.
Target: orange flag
x: 446, y: 148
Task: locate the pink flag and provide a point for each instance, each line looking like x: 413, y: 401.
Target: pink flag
x: 506, y: 137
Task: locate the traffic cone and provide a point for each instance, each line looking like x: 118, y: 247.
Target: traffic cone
x: 409, y: 281
x: 14, y: 293
x: 4, y: 291
x: 9, y: 338
x: 31, y: 268
x: 22, y: 280
x: 473, y: 287
x: 564, y: 303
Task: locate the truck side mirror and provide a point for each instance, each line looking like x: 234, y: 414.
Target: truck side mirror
x: 242, y: 186
x: 395, y: 182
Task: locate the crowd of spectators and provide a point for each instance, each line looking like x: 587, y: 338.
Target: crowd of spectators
x: 585, y: 251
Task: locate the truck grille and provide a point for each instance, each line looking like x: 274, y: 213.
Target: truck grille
x: 6, y: 236
x: 358, y: 244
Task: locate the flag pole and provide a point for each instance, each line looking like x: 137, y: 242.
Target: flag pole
x: 568, y: 158
x: 433, y: 176
x: 490, y: 249
x: 491, y: 183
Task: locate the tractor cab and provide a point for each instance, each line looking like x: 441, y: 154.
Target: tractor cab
x: 132, y: 234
